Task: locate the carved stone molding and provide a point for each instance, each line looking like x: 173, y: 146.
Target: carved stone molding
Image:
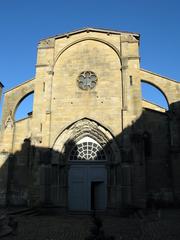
x: 9, y: 123
x: 87, y: 128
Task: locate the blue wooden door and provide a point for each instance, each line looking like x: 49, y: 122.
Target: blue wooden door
x: 85, y: 181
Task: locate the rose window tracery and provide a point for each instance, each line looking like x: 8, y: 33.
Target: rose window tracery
x: 87, y: 80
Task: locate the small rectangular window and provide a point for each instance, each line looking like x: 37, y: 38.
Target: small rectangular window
x: 44, y: 85
x: 131, y: 80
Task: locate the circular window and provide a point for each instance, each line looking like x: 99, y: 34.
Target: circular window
x: 87, y: 149
x: 87, y: 80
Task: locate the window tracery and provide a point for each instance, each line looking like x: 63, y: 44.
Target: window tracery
x: 87, y: 149
x: 87, y: 80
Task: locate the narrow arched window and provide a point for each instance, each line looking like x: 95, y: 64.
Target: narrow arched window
x: 24, y: 108
x: 87, y: 149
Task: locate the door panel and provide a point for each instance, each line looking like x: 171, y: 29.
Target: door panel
x: 78, y: 198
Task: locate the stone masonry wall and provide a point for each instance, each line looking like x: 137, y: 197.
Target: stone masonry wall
x: 114, y: 103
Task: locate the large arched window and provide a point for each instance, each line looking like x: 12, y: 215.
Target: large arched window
x: 24, y: 107
x: 153, y: 95
x: 87, y: 149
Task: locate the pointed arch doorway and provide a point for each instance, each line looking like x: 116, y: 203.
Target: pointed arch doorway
x: 87, y: 178
x: 84, y: 154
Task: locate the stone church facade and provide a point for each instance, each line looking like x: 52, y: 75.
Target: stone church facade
x: 91, y: 142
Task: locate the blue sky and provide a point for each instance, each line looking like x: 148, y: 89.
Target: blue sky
x: 24, y: 23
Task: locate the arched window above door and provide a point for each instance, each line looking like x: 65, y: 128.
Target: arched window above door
x: 87, y: 149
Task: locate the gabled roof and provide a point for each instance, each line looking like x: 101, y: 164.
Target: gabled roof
x: 88, y: 29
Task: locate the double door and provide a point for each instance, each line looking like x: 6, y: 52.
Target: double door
x: 87, y: 187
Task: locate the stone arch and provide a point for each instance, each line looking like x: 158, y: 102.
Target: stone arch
x: 82, y: 128
x: 85, y: 39
x: 20, y: 100
x: 70, y: 124
x: 13, y: 97
x: 156, y: 86
x: 165, y: 85
x: 83, y: 57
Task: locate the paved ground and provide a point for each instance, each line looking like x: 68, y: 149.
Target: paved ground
x: 76, y: 227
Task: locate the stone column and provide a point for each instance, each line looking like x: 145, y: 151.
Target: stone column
x: 43, y: 92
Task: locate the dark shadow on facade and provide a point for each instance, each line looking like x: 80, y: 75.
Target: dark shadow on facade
x: 144, y: 172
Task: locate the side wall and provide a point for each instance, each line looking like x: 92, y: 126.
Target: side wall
x: 171, y: 90
x: 13, y: 155
x: 157, y: 154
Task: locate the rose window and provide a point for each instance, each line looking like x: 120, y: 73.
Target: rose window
x: 87, y: 80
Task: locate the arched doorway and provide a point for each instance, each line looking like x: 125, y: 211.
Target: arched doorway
x: 87, y: 179
x: 84, y: 159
